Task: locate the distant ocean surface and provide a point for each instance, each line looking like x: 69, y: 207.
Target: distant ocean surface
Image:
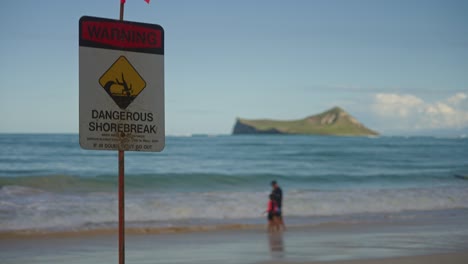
x: 47, y: 182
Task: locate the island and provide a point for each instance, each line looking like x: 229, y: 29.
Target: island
x: 334, y: 122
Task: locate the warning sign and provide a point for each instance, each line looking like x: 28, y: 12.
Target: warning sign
x: 122, y: 82
x: 121, y: 85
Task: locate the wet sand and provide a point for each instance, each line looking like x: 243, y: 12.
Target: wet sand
x: 428, y: 242
x: 446, y: 258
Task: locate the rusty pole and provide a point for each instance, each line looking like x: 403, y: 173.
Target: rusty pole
x: 121, y: 209
x: 121, y: 187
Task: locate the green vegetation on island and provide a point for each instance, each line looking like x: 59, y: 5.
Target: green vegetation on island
x: 336, y: 122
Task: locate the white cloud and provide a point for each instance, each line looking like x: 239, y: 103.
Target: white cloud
x: 395, y: 104
x: 409, y: 112
x: 457, y: 98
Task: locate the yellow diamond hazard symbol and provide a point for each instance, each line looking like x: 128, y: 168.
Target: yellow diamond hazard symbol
x: 122, y: 82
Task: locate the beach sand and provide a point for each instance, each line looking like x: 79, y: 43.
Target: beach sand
x: 447, y: 258
x: 409, y: 242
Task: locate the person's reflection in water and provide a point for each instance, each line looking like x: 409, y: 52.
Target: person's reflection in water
x: 276, y: 245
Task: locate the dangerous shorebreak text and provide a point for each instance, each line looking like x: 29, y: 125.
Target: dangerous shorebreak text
x: 115, y: 121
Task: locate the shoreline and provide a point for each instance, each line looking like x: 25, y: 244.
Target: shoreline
x: 317, y: 223
x: 25, y: 234
x: 190, y: 229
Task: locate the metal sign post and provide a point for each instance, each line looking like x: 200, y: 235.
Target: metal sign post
x: 121, y: 186
x: 121, y: 208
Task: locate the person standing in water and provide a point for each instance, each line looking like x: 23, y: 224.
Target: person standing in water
x: 278, y: 197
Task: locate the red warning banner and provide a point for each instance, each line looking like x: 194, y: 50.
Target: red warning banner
x: 122, y: 35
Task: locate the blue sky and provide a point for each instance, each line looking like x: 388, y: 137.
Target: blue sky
x: 397, y: 66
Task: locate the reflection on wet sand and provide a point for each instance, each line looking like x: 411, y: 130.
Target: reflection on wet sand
x: 276, y: 245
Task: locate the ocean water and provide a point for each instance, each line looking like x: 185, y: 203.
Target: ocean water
x: 48, y: 183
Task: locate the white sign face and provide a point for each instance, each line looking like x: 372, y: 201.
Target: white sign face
x: 121, y: 85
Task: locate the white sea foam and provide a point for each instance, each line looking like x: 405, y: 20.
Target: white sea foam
x: 63, y: 212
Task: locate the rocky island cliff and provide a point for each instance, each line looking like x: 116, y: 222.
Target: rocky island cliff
x: 335, y: 122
